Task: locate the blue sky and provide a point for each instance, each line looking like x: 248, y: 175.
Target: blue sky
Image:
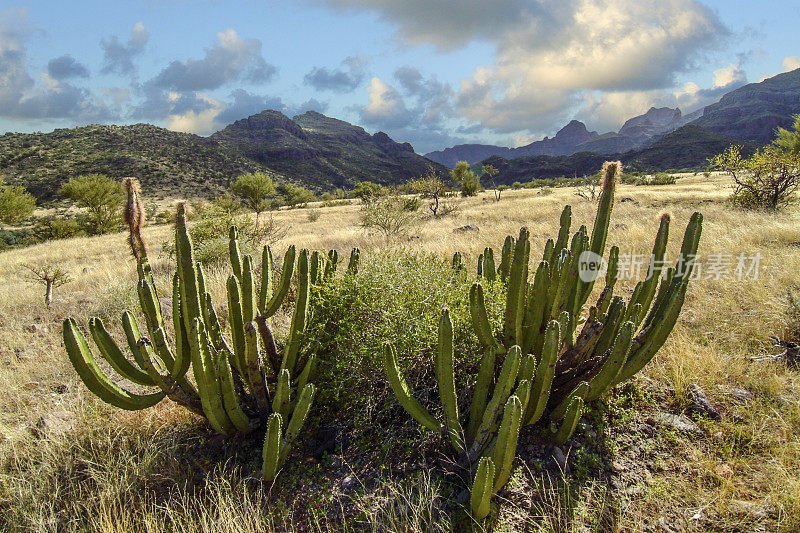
x: 431, y: 72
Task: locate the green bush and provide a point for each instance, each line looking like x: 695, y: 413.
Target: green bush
x: 103, y: 198
x: 412, y: 204
x: 52, y: 228
x: 397, y: 294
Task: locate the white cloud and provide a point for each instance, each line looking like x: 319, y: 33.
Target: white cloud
x: 791, y: 63
x: 386, y: 108
x: 198, y: 122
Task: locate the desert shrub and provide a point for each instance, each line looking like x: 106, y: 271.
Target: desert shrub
x: 313, y: 215
x: 399, y: 295
x: 516, y: 185
x: 462, y: 174
x: 662, y: 178
x: 412, y: 204
x: 294, y: 195
x: 101, y: 195
x: 766, y: 180
x: 211, y: 229
x: 52, y: 228
x: 545, y: 191
x: 11, y: 238
x: 16, y: 204
x: 255, y: 189
x: 386, y: 215
x: 367, y: 192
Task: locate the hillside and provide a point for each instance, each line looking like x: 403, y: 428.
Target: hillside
x: 754, y: 111
x: 687, y: 148
x: 322, y: 151
x: 167, y: 161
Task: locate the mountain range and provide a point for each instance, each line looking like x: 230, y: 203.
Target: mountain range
x: 323, y: 153
x: 750, y: 113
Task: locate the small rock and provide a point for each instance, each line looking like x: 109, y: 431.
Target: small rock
x: 723, y: 470
x: 560, y: 458
x: 33, y: 328
x: 88, y: 269
x: 741, y: 395
x: 467, y: 228
x: 680, y: 423
x: 58, y: 388
x: 55, y: 423
x: 626, y: 199
x: 616, y: 466
x: 701, y: 403
x: 348, y: 482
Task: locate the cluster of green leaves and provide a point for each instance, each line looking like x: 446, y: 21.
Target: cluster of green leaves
x: 462, y: 175
x: 766, y: 180
x: 16, y: 204
x: 397, y: 294
x: 103, y: 198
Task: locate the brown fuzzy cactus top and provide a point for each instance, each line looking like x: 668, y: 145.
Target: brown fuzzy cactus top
x: 134, y: 217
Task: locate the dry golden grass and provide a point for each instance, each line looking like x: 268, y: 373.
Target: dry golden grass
x: 742, y: 475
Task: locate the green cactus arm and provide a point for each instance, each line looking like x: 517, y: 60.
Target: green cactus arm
x: 482, y: 489
x: 314, y: 267
x: 580, y: 391
x: 535, y: 309
x: 190, y: 295
x: 249, y: 299
x: 252, y: 367
x: 480, y: 266
x: 655, y: 268
x: 267, y: 276
x: 543, y: 377
x: 352, y: 265
x: 132, y: 336
x: 563, y: 232
x: 111, y: 352
x: 187, y: 398
x: 298, y: 419
x: 560, y: 434
x: 502, y: 390
x: 205, y: 376
x: 233, y: 252
x: 300, y: 316
x: 517, y: 289
x: 270, y: 452
x: 445, y: 375
x: 505, y: 258
x: 613, y: 364
x: 95, y: 379
x: 480, y: 393
x: 506, y: 446
x: 479, y: 316
x: 230, y: 399
x: 611, y: 324
x: 183, y: 354
x: 547, y: 255
x: 287, y: 270
x: 331, y: 265
x: 281, y: 400
x: 308, y: 372
x: 605, y: 206
x: 151, y: 308
x: 488, y: 266
x: 236, y: 318
x: 401, y: 391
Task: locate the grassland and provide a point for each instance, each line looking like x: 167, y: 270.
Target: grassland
x: 161, y: 469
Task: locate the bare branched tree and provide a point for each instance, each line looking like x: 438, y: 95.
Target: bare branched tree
x: 49, y: 275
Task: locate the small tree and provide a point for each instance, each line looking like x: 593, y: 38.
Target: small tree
x: 431, y: 187
x: 789, y: 140
x: 294, y: 195
x: 462, y: 175
x: 101, y: 195
x: 490, y: 172
x: 587, y: 187
x: 498, y: 191
x: 50, y: 276
x: 255, y: 189
x: 368, y: 192
x: 16, y: 204
x: 386, y: 215
x: 766, y: 180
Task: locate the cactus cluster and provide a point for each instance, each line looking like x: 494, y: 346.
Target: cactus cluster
x: 547, y: 367
x: 240, y: 382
